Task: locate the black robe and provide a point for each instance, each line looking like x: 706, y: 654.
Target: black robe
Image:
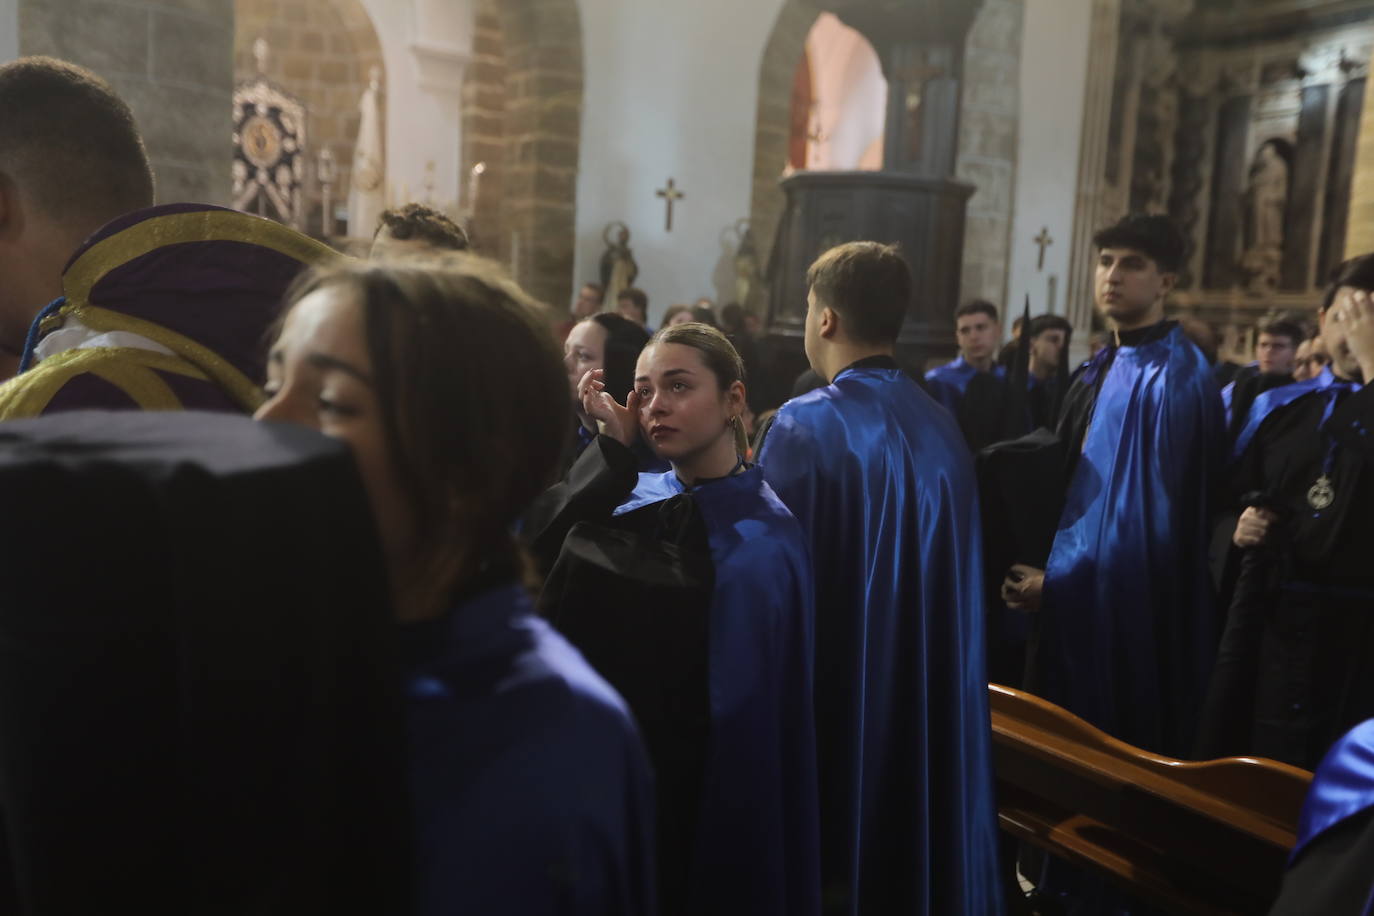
x: 1293, y: 671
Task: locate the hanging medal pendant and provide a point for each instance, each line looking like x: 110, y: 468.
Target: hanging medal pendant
x: 1322, y: 494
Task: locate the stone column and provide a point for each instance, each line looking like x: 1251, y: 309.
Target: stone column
x: 174, y: 66
x: 1092, y: 169
x: 1359, y: 237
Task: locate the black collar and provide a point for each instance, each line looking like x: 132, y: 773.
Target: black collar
x: 881, y: 361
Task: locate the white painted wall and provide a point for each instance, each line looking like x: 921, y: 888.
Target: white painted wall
x: 671, y: 89
x: 426, y: 45
x: 1054, y: 69
x: 9, y: 30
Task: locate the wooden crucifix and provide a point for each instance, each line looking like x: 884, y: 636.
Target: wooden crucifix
x: 670, y: 194
x: 1044, y: 241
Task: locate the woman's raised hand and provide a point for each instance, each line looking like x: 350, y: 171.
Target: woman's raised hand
x: 620, y: 423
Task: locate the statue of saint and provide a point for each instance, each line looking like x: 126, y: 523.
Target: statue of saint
x: 1267, y: 198
x: 618, y: 267
x: 746, y: 268
x: 366, y: 195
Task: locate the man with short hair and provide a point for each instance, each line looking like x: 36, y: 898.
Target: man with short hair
x: 1310, y: 359
x: 881, y: 481
x: 1046, y: 378
x: 156, y: 307
x: 71, y: 160
x: 976, y: 330
x: 1129, y: 625
x: 587, y: 304
x: 1275, y: 353
x: 416, y: 231
x: 633, y: 303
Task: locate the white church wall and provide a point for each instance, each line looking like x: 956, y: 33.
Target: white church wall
x: 9, y: 30
x: 670, y: 90
x: 1054, y: 69
x: 426, y: 45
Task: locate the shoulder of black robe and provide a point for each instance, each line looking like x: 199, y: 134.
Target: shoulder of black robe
x: 1244, y: 394
x: 601, y: 477
x: 981, y: 410
x: 196, y: 671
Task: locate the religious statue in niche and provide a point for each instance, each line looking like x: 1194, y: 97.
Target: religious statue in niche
x: 269, y: 141
x: 618, y: 268
x: 367, y: 197
x: 747, y: 277
x: 1266, y: 203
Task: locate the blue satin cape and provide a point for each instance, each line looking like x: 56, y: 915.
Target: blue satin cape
x: 1342, y: 787
x: 1129, y: 624
x: 880, y: 479
x: 757, y: 849
x: 1269, y: 401
x: 530, y: 790
x: 948, y: 383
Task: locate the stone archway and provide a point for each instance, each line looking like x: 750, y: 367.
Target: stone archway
x: 320, y: 51
x: 989, y: 114
x: 523, y: 118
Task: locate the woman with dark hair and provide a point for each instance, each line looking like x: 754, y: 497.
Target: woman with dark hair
x: 609, y: 343
x: 529, y: 788
x: 738, y: 832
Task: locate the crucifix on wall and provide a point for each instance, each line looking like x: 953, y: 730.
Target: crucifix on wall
x: 670, y: 194
x: 1044, y: 241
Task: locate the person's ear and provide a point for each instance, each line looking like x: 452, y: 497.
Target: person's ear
x: 11, y: 212
x: 735, y: 397
x: 1167, y: 282
x: 830, y: 323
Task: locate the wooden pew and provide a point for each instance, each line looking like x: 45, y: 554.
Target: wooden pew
x: 1208, y: 837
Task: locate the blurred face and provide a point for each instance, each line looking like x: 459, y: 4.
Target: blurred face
x: 1131, y: 288
x: 977, y: 335
x: 1343, y: 362
x: 626, y: 308
x: 319, y: 375
x: 583, y: 351
x: 1047, y: 348
x: 1310, y: 359
x: 587, y: 303
x: 683, y: 412
x: 1275, y: 353
x: 683, y: 317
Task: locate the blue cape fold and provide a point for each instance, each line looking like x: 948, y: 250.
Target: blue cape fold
x: 1129, y: 625
x: 880, y: 479
x: 1271, y: 400
x: 948, y: 383
x: 758, y: 837
x: 1343, y: 786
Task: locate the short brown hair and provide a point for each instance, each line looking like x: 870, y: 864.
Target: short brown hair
x: 71, y: 143
x: 868, y: 284
x: 435, y: 389
x: 416, y: 221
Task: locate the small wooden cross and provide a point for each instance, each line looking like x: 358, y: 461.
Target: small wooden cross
x: 670, y: 194
x: 1044, y: 241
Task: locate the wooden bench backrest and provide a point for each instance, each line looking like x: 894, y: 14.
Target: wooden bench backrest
x: 1199, y: 837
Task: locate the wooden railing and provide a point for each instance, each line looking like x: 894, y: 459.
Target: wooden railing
x: 1194, y: 837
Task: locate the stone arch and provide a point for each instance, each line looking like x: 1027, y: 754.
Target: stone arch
x: 989, y: 112
x: 523, y: 118
x: 320, y: 51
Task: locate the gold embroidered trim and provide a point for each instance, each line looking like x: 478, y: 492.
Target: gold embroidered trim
x: 238, y: 386
x: 127, y: 368
x: 176, y: 228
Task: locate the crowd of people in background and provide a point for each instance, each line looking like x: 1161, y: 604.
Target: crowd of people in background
x: 661, y: 647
